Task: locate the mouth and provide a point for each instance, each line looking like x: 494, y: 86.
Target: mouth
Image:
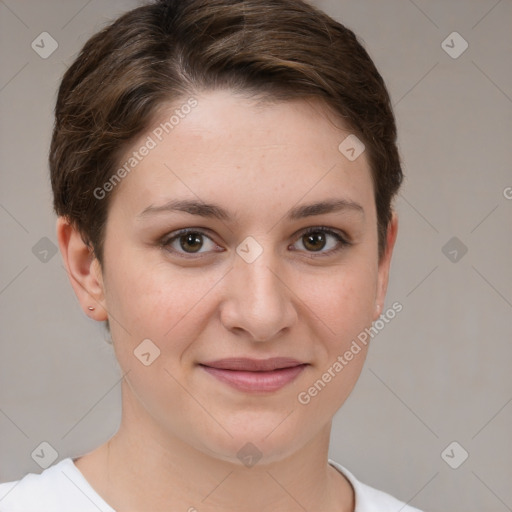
x: 255, y: 375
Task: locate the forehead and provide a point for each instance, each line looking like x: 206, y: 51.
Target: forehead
x: 239, y: 149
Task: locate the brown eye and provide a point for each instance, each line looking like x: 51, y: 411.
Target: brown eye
x: 315, y: 240
x: 191, y: 240
x: 188, y: 241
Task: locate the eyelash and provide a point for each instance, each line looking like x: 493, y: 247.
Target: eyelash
x: 343, y: 242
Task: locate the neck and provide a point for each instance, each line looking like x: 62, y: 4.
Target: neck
x: 145, y: 468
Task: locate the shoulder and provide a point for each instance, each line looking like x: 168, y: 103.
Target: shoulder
x: 59, y: 488
x: 368, y: 499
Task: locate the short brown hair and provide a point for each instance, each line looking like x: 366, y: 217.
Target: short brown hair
x: 167, y: 50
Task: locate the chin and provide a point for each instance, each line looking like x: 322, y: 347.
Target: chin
x: 256, y: 440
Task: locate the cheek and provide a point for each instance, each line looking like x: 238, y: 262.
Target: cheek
x: 341, y: 306
x: 157, y: 300
x: 343, y: 300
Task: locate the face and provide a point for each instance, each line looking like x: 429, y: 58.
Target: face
x: 256, y: 274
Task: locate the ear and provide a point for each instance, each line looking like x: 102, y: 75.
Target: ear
x: 83, y: 270
x: 384, y: 265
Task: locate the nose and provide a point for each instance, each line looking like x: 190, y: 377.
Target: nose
x: 258, y: 299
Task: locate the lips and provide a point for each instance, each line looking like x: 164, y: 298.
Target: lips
x: 253, y: 365
x: 255, y: 375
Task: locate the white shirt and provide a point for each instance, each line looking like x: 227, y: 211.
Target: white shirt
x: 63, y: 488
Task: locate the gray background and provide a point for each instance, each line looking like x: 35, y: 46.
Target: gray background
x: 438, y: 373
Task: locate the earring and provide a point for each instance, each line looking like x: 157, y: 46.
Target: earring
x: 378, y: 308
x: 91, y: 308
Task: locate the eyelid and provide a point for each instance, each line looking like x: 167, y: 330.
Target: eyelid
x: 325, y: 229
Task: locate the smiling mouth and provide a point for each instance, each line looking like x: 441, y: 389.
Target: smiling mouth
x: 252, y: 375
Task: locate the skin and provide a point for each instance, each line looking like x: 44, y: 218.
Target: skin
x: 181, y: 428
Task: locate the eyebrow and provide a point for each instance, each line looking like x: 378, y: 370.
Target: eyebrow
x: 215, y: 211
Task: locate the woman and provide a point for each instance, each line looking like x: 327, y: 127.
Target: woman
x: 223, y: 174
